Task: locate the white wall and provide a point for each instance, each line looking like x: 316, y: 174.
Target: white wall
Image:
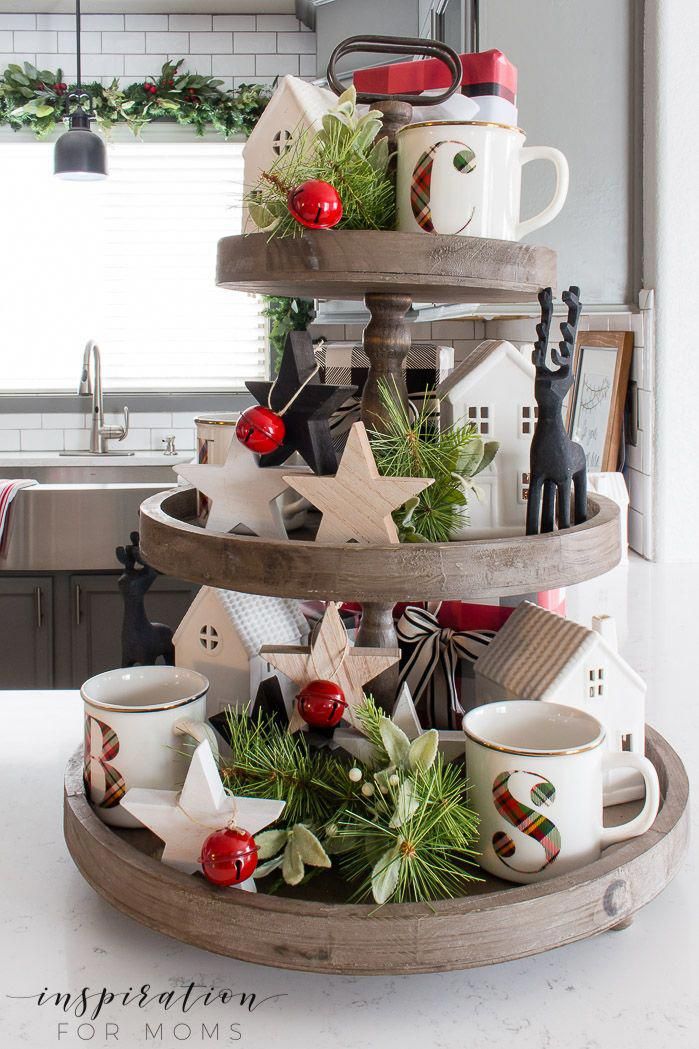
x: 671, y: 266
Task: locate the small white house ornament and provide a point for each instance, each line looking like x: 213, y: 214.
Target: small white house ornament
x: 221, y: 635
x: 538, y: 654
x: 294, y: 107
x: 184, y: 819
x: 493, y: 389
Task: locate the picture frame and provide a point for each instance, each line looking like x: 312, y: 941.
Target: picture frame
x: 601, y: 366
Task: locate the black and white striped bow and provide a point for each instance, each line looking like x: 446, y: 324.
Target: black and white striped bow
x: 429, y: 661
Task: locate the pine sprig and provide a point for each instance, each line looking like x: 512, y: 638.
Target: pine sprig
x: 344, y: 153
x: 413, y: 446
x: 268, y: 762
x: 429, y: 855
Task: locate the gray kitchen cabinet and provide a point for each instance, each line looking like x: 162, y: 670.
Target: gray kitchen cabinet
x: 96, y: 613
x: 26, y: 632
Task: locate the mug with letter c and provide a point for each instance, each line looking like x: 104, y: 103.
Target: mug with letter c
x: 536, y: 774
x: 134, y: 721
x: 465, y: 177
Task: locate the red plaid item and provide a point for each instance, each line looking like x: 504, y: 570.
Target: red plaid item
x: 114, y: 785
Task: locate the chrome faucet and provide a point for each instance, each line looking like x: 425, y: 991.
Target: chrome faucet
x: 91, y: 386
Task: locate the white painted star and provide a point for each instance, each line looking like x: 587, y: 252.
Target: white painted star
x: 242, y: 492
x: 184, y: 819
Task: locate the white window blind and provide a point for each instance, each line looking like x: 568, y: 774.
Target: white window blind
x: 130, y: 262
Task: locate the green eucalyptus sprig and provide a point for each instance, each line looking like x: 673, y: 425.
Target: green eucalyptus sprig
x: 39, y: 99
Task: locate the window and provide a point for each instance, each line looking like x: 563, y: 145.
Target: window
x: 208, y: 638
x: 481, y: 418
x: 596, y: 682
x: 528, y: 414
x: 129, y: 262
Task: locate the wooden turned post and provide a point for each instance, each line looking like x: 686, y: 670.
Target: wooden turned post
x: 396, y: 114
x: 386, y: 342
x: 377, y: 630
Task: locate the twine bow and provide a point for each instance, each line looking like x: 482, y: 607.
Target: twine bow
x: 430, y: 657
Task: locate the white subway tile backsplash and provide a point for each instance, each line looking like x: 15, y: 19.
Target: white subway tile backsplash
x: 200, y: 64
x: 76, y: 440
x: 66, y: 63
x: 36, y: 40
x: 108, y: 22
x: 257, y: 43
x: 308, y: 65
x: 123, y: 43
x: 41, y: 440
x: 184, y: 420
x: 166, y: 43
x: 636, y: 531
x: 102, y: 65
x: 135, y: 440
x: 20, y: 421
x: 232, y: 65
x: 65, y: 22
x: 190, y: 22
x: 296, y: 43
x: 278, y: 23
x: 64, y: 420
x: 18, y: 21
x: 234, y: 22
x: 143, y: 65
x: 19, y: 57
x: 212, y: 43
x: 143, y: 419
x: 6, y: 40
x: 277, y: 65
x: 90, y: 43
x: 142, y: 22
x: 184, y: 439
x: 9, y: 441
x: 452, y: 330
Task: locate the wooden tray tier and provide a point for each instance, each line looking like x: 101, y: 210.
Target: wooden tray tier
x: 172, y: 542
x: 349, y: 264
x: 496, y: 922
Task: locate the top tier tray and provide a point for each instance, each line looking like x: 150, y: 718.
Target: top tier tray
x: 350, y: 264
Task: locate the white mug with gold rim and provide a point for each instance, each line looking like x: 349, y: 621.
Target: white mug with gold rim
x: 536, y: 773
x: 135, y: 719
x: 465, y: 178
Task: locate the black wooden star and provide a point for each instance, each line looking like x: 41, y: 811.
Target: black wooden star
x: 307, y: 419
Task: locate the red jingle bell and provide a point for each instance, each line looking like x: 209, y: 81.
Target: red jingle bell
x: 228, y: 856
x: 315, y: 204
x: 321, y: 704
x: 260, y: 429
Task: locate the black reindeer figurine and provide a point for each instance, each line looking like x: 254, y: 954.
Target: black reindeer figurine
x: 142, y: 642
x: 556, y: 462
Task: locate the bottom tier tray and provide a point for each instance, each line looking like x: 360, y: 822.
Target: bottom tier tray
x: 496, y: 922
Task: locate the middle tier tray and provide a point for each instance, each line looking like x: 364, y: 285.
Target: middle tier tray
x: 176, y: 545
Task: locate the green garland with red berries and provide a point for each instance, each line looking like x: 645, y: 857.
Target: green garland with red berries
x: 39, y: 99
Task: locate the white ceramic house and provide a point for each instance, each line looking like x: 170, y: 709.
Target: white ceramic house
x: 493, y: 388
x: 540, y: 655
x: 221, y: 636
x: 295, y: 106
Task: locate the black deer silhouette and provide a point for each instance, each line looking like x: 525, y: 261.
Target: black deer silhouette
x: 142, y: 642
x: 556, y: 462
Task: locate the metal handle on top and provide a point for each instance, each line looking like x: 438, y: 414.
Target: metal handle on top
x: 400, y: 45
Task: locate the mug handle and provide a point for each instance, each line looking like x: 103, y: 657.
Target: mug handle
x: 644, y: 820
x: 529, y: 153
x: 199, y: 731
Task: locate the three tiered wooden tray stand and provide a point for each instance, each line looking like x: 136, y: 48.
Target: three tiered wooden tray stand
x: 315, y: 932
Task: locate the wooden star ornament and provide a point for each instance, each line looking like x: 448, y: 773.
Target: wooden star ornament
x: 331, y: 657
x: 357, y: 502
x: 184, y: 819
x: 241, y: 493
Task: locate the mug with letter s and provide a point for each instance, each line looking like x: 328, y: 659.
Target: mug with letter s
x: 465, y: 178
x: 536, y: 774
x: 134, y: 721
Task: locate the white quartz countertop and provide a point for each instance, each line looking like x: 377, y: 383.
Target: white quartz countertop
x: 634, y: 989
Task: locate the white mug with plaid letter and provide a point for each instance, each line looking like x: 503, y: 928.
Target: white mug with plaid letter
x: 135, y: 719
x: 464, y: 178
x: 537, y: 775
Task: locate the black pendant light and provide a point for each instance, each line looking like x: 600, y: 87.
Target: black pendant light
x: 79, y: 154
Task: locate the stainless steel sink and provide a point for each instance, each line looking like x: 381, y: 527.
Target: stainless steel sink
x: 118, y: 472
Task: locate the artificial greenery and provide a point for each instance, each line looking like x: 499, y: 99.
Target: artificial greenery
x: 39, y: 99
x: 285, y: 315
x: 411, y: 445
x: 399, y: 823
x: 345, y: 153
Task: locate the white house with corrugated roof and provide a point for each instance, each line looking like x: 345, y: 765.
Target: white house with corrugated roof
x: 539, y: 655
